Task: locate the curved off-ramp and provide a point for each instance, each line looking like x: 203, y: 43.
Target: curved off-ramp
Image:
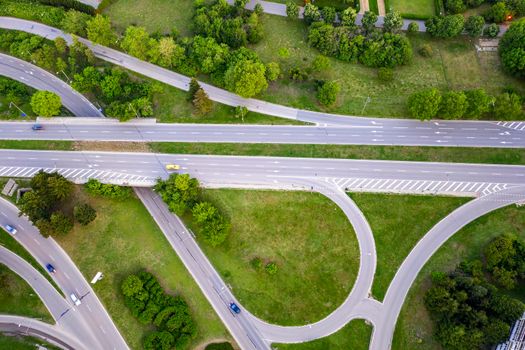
x: 40, y: 79
x: 25, y: 326
x: 425, y: 249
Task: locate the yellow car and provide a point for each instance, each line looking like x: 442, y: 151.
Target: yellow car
x: 172, y: 167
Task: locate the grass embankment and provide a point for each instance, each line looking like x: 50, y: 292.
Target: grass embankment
x: 355, y: 336
x: 23, y: 343
x: 37, y: 145
x: 309, y: 238
x: 18, y: 298
x: 124, y: 239
x: 399, y: 221
x: 405, y: 153
x: 414, y: 327
x: 419, y: 8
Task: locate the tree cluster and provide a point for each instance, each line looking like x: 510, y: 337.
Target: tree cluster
x: 70, y: 4
x: 44, y: 202
x: 213, y: 226
x: 367, y: 45
x: 512, y: 49
x: 32, y: 10
x: 468, y: 104
x: 95, y: 187
x: 445, y: 26
x: 232, y: 25
x: 503, y: 10
x: 469, y: 311
x: 123, y: 97
x: 170, y: 314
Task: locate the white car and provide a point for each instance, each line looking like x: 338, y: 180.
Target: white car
x: 75, y: 299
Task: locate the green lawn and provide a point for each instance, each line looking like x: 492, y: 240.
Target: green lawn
x: 125, y: 239
x: 420, y: 8
x: 37, y: 144
x: 18, y: 298
x: 22, y: 343
x: 155, y: 15
x: 399, y: 221
x: 12, y: 113
x: 428, y: 154
x: 354, y: 336
x: 308, y: 237
x: 414, y: 327
x: 373, y: 6
x: 455, y: 65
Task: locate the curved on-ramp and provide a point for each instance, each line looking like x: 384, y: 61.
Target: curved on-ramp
x: 425, y: 249
x: 40, y: 79
x: 25, y: 326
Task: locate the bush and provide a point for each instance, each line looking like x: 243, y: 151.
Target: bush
x: 84, y: 213
x: 508, y: 106
x: 70, y: 4
x: 492, y: 30
x: 425, y: 104
x: 179, y: 191
x: 445, y: 27
x: 413, y: 27
x: 426, y: 50
x: 60, y: 223
x: 453, y: 105
x: 498, y: 13
x: 327, y: 93
x: 33, y: 11
x: 455, y: 6
x: 256, y: 263
x: 271, y: 268
x: 512, y: 49
x: 478, y: 103
x: 320, y: 63
x: 94, y: 186
x: 328, y: 14
x: 213, y: 226
x: 311, y: 14
x: 385, y: 74
x: 474, y: 25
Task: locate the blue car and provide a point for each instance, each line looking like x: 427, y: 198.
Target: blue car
x: 37, y: 127
x: 50, y: 268
x: 10, y: 229
x: 235, y: 308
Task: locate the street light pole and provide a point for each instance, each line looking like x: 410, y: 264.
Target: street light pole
x: 68, y: 80
x: 21, y: 111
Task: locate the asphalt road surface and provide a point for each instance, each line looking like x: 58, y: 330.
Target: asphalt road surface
x: 40, y: 79
x: 361, y: 132
x: 24, y: 326
x: 182, y: 82
x: 102, y: 332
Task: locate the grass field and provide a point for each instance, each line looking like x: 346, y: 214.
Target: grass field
x: 124, y: 239
x: 355, y: 336
x: 22, y: 343
x: 18, y: 298
x: 373, y: 6
x: 5, y: 111
x: 399, y: 221
x: 414, y: 327
x: 428, y: 154
x: 37, y: 144
x: 308, y: 237
x: 422, y: 8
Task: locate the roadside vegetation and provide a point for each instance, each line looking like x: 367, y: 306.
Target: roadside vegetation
x: 125, y: 240
x: 18, y: 298
x: 355, y: 335
x: 415, y: 327
x: 396, y: 221
x: 23, y: 343
x: 416, y: 9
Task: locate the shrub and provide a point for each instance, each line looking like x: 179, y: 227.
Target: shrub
x: 492, y: 30
x: 327, y: 93
x: 298, y: 74
x: 455, y: 6
x: 497, y: 13
x: 271, y: 268
x: 179, y: 191
x: 60, y: 223
x: 426, y: 50
x: 311, y: 14
x: 213, y: 226
x: 70, y: 4
x: 94, y: 186
x: 424, y: 104
x: 33, y: 11
x: 328, y: 14
x: 84, y: 213
x: 453, y: 105
x: 385, y: 74
x: 272, y: 71
x: 478, y: 103
x: 256, y: 263
x: 320, y: 63
x: 445, y: 27
x: 508, y: 106
x: 413, y: 27
x: 474, y: 25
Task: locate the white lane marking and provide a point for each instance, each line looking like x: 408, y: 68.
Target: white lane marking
x: 102, y: 329
x: 89, y: 309
x: 67, y: 276
x: 36, y: 241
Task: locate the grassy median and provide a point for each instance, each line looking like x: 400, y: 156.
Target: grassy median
x: 23, y: 343
x: 414, y: 327
x: 305, y: 234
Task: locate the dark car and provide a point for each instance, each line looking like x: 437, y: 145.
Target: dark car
x: 37, y: 127
x: 235, y: 308
x: 50, y: 268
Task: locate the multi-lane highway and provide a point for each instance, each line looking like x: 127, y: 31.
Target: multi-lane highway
x: 97, y: 331
x: 40, y: 79
x: 359, y: 132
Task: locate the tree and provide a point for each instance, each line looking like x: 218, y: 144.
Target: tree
x: 474, y: 25
x: 512, y: 48
x: 179, y: 191
x: 214, y: 226
x: 99, y: 30
x: 328, y: 13
x: 241, y: 112
x: 369, y: 21
x: 492, y: 30
x: 167, y: 49
x: 348, y: 17
x: 478, y: 103
x: 453, y: 105
x: 272, y: 71
x: 424, y: 105
x: 498, y: 13
x: 162, y: 340
x: 61, y: 224
x: 75, y: 22
x: 246, y: 78
x: 292, y: 10
x: 445, y: 27
x: 508, y: 106
x: 202, y: 103
x: 193, y: 88
x: 393, y: 22
x: 455, y: 6
x: 327, y: 93
x: 60, y: 45
x: 311, y: 14
x: 84, y: 213
x: 137, y: 42
x: 46, y: 103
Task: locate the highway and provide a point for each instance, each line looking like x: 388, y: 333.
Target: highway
x: 24, y: 326
x: 182, y: 82
x: 360, y: 132
x: 40, y: 79
x: 423, y: 251
x: 101, y: 332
